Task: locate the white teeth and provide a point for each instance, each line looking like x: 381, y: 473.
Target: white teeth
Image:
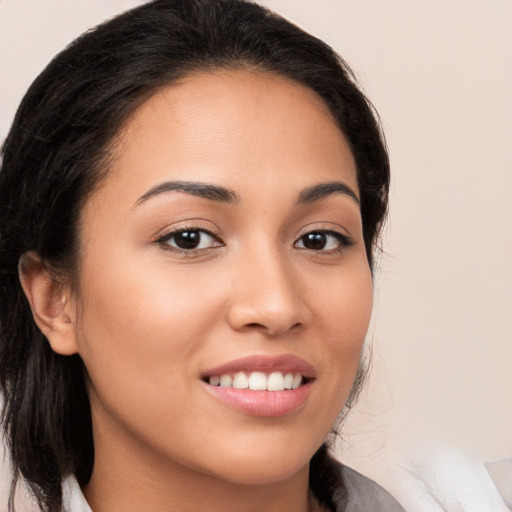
x: 240, y: 381
x: 258, y: 381
x: 215, y: 380
x: 226, y: 381
x: 288, y: 381
x: 275, y: 382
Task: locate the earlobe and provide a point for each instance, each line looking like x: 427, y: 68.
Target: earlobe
x: 49, y: 302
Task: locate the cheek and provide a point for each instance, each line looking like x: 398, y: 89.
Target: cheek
x: 344, y: 304
x: 345, y: 313
x: 141, y: 325
x: 140, y: 334
x: 350, y: 312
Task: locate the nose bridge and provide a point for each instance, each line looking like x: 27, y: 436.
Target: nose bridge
x: 267, y: 295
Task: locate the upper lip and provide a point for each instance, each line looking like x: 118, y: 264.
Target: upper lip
x: 286, y: 363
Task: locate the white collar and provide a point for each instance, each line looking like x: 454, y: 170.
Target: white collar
x: 72, y: 498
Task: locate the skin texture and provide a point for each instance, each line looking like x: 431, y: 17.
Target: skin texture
x: 148, y: 320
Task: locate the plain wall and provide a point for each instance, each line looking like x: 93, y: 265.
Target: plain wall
x: 440, y: 74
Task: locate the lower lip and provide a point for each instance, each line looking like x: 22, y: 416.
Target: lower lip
x: 270, y: 404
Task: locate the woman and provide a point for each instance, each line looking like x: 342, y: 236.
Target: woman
x: 190, y: 194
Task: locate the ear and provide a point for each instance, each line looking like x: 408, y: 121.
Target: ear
x: 50, y: 303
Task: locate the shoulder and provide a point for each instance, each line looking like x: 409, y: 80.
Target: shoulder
x: 361, y: 494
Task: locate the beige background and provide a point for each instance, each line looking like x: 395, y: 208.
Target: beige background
x: 440, y: 74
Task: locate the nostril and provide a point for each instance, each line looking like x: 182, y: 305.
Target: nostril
x: 256, y: 326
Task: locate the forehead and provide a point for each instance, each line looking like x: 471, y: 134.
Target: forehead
x: 239, y: 128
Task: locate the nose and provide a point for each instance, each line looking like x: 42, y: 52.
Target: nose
x: 267, y: 297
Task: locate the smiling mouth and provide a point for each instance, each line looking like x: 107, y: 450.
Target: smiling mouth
x: 262, y: 385
x: 258, y: 381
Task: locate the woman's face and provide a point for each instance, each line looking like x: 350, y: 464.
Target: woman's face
x: 225, y: 241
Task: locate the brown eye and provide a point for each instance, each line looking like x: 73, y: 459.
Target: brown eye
x: 315, y: 241
x: 187, y: 239
x: 323, y: 241
x: 190, y: 239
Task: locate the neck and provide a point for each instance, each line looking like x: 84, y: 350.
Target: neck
x: 126, y: 478
x: 187, y: 491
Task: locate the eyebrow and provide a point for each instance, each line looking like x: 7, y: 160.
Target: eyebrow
x: 323, y: 190
x: 224, y: 195
x: 194, y: 188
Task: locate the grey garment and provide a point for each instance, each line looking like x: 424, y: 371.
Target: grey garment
x: 363, y: 495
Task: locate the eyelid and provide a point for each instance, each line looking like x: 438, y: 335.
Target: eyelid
x: 324, y: 227
x: 196, y: 224
x: 180, y: 229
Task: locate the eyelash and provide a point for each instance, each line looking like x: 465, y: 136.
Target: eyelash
x: 343, y: 241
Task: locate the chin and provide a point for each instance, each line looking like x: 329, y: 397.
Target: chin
x: 261, y: 468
